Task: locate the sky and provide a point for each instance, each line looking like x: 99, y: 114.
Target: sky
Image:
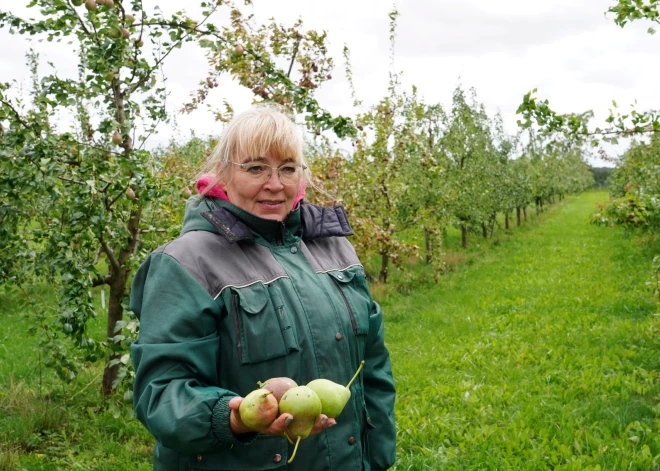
x: 570, y: 50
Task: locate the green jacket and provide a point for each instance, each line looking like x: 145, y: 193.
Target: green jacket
x: 238, y: 299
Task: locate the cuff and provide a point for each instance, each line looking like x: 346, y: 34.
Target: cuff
x: 220, y: 425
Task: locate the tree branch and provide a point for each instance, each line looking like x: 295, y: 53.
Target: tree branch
x: 70, y: 180
x: 135, y: 51
x: 80, y: 20
x: 629, y: 131
x: 16, y: 113
x: 173, y: 24
x: 101, y: 281
x: 134, y: 236
x: 293, y: 57
x: 111, y: 255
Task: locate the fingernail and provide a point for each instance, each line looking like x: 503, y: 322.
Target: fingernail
x: 324, y: 421
x: 332, y: 424
x: 288, y: 420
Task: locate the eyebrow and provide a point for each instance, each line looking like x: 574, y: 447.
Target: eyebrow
x: 263, y: 159
x: 254, y: 159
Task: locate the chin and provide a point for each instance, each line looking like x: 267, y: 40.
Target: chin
x: 274, y: 217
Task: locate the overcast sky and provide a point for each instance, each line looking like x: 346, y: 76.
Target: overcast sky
x: 569, y: 49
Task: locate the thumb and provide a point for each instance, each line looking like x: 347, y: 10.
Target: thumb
x: 235, y: 403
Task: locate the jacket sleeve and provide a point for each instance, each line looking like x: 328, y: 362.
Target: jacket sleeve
x: 176, y: 393
x: 379, y: 393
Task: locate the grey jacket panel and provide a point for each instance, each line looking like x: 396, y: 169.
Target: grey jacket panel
x: 254, y: 263
x: 332, y: 253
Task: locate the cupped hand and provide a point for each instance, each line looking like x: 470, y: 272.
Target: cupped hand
x: 277, y: 427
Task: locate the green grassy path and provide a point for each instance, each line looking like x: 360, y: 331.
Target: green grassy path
x: 543, y: 354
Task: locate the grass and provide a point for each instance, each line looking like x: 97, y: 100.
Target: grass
x: 47, y: 425
x: 538, y: 350
x: 540, y: 354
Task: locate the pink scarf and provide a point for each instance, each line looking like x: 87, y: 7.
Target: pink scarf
x: 218, y: 192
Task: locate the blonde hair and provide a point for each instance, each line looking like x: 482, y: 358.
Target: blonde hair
x: 253, y: 133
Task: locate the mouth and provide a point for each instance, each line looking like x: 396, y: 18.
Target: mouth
x: 271, y: 204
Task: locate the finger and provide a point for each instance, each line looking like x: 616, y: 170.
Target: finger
x: 235, y: 402
x: 235, y: 423
x: 322, y: 423
x: 279, y: 425
x: 329, y: 423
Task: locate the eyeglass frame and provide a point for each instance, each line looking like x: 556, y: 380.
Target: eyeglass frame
x: 244, y: 166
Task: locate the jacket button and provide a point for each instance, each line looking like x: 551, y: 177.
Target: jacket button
x: 294, y: 249
x: 199, y: 458
x: 340, y: 277
x: 339, y: 336
x: 351, y: 441
x: 369, y: 420
x: 277, y: 458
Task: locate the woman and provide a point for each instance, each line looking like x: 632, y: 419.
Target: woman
x: 259, y: 285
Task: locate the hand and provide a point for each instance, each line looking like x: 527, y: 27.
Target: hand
x: 277, y: 427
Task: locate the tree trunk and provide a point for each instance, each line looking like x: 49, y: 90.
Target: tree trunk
x: 384, y: 262
x: 538, y: 206
x: 464, y: 234
x: 525, y: 212
x: 115, y: 314
x: 429, y: 248
x: 484, y: 230
x: 506, y: 220
x: 493, y: 220
x: 117, y: 281
x: 518, y: 216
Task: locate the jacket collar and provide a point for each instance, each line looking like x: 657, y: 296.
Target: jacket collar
x: 307, y: 220
x: 319, y: 222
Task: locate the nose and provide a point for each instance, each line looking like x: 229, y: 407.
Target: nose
x: 274, y: 183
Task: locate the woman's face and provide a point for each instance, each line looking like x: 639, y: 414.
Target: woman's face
x: 268, y: 200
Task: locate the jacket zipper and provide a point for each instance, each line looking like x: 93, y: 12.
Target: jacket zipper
x: 348, y: 306
x: 278, y: 238
x: 234, y: 305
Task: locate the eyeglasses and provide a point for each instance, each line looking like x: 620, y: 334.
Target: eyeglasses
x: 289, y: 174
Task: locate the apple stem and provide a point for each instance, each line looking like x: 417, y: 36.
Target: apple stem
x: 348, y: 386
x: 287, y: 437
x: 294, y: 451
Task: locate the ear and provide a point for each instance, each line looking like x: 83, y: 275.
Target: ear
x: 225, y: 177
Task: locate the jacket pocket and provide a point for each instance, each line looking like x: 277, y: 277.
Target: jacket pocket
x: 263, y: 453
x: 353, y: 288
x: 262, y: 327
